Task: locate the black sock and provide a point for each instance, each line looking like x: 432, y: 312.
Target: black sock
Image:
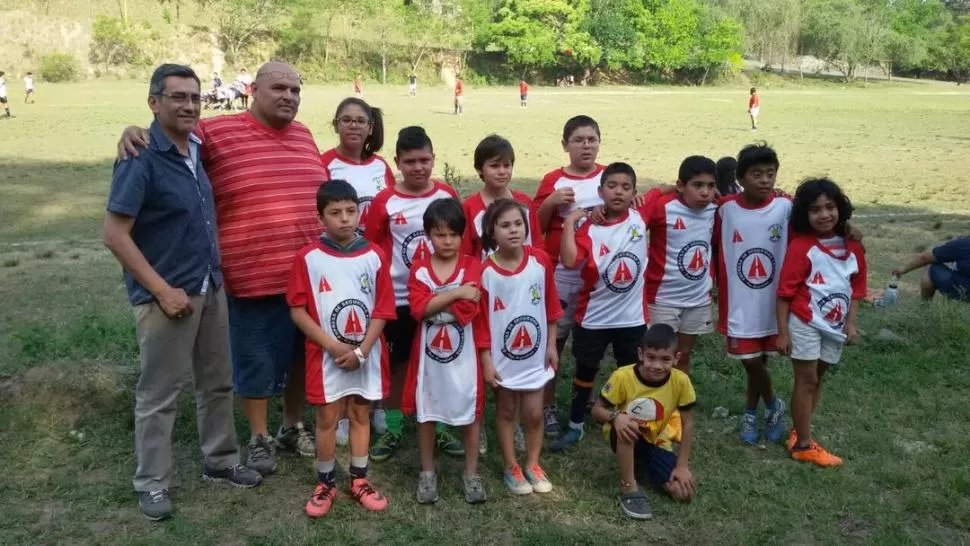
x: 357, y: 472
x: 327, y: 478
x: 582, y: 385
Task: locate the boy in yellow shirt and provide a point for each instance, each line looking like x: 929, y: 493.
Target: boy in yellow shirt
x: 635, y: 406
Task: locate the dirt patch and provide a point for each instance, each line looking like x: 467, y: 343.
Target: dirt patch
x: 914, y: 447
x: 853, y: 527
x: 50, y: 512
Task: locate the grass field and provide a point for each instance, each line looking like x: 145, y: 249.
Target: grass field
x: 896, y: 411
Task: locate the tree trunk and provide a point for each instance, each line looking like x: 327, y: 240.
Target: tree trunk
x: 383, y: 56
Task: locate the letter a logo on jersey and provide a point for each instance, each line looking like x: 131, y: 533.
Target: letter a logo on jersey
x: 441, y: 341
x: 622, y: 274
x: 757, y: 269
x: 737, y: 237
x: 399, y: 219
x: 835, y: 315
x: 817, y: 278
x: 697, y: 262
x: 522, y: 340
x: 353, y: 326
x: 679, y: 224
x: 604, y: 250
x: 499, y: 306
x: 422, y: 251
x: 324, y: 285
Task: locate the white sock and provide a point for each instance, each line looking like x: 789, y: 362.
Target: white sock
x: 326, y: 466
x: 575, y: 426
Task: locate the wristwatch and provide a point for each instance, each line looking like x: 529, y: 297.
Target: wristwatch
x: 361, y: 357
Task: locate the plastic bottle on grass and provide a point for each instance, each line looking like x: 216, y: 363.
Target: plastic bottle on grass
x: 891, y: 296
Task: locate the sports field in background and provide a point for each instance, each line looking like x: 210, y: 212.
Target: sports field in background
x: 896, y: 411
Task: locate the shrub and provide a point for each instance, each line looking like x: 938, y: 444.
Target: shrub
x: 59, y: 67
x: 113, y: 42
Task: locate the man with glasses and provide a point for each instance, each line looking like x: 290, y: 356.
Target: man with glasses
x: 265, y: 169
x: 161, y: 226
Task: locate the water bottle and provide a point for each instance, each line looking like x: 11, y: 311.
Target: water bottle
x: 891, y: 296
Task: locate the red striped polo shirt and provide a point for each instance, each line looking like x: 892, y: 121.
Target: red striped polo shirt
x: 264, y: 183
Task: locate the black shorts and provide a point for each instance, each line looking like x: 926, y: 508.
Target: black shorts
x: 3, y: 100
x: 523, y: 98
x: 589, y: 346
x: 399, y: 335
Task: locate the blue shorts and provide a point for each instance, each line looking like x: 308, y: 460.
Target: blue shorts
x: 657, y: 462
x: 950, y: 283
x: 265, y: 343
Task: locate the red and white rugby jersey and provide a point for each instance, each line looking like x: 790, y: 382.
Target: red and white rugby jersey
x: 751, y: 249
x: 444, y: 380
x: 518, y: 307
x: 369, y: 177
x: 343, y: 293
x: 396, y: 224
x: 822, y: 281
x: 586, y: 189
x: 614, y: 284
x: 475, y: 207
x: 679, y: 272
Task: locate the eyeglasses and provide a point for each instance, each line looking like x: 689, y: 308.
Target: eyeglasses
x: 347, y: 121
x: 592, y: 141
x: 182, y: 98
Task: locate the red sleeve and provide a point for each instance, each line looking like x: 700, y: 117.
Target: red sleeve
x: 376, y: 230
x: 795, y: 270
x: 546, y: 188
x: 859, y: 288
x: 465, y: 310
x: 535, y: 232
x: 554, y: 310
x: 584, y: 245
x: 449, y: 189
x: 202, y: 131
x: 389, y: 180
x: 482, y: 326
x: 298, y: 287
x: 650, y: 200
x: 471, y: 244
x: 384, y: 291
x: 419, y: 295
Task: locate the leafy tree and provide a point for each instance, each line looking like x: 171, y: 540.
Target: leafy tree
x: 240, y: 24
x: 59, y: 67
x: 833, y: 32
x: 113, y: 42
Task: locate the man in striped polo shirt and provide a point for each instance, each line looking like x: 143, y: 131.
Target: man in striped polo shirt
x: 265, y: 169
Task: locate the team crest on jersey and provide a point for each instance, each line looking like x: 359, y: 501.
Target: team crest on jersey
x: 756, y: 268
x: 379, y: 182
x: 443, y: 342
x: 349, y: 321
x: 834, y: 309
x: 774, y: 233
x: 535, y: 294
x: 415, y: 247
x: 522, y: 338
x: 692, y: 260
x: 635, y: 234
x: 363, y: 207
x: 622, y: 272
x: 365, y: 283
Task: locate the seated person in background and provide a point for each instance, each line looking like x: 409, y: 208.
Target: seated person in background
x: 948, y: 271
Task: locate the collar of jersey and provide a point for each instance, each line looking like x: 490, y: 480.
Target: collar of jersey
x: 652, y: 384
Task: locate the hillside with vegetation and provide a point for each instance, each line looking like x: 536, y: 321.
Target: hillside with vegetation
x: 489, y: 41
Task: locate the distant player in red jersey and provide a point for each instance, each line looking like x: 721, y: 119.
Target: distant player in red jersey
x: 459, y: 96
x: 359, y: 86
x: 523, y: 94
x: 754, y: 107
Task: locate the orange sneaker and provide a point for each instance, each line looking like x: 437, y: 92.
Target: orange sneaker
x: 816, y: 454
x: 321, y: 500
x: 370, y: 499
x: 792, y: 440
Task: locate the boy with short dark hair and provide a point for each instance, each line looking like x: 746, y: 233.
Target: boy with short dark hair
x: 3, y: 95
x: 340, y: 296
x: 635, y: 406
x: 612, y: 309
x: 751, y: 235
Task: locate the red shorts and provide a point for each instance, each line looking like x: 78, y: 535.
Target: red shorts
x: 745, y: 348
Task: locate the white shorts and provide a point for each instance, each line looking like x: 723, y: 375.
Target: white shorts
x: 684, y: 320
x: 807, y: 343
x: 754, y: 111
x: 568, y: 297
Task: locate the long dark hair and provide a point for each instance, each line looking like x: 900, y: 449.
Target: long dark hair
x: 375, y: 140
x: 806, y: 194
x: 493, y: 213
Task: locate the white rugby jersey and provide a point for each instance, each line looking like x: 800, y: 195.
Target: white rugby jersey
x: 679, y: 274
x: 474, y: 208
x: 368, y: 178
x: 586, y: 190
x: 822, y: 282
x: 751, y: 249
x: 444, y: 381
x: 343, y: 293
x: 518, y: 307
x: 614, y: 284
x: 396, y: 224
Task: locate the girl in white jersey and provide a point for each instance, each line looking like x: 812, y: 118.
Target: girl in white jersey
x: 521, y: 306
x: 562, y: 191
x: 822, y: 281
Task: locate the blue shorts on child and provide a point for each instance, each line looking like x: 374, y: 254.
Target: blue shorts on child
x: 657, y: 462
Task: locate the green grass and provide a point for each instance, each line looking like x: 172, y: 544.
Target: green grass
x: 896, y: 411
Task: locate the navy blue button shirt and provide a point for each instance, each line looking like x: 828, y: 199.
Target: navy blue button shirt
x: 175, y: 220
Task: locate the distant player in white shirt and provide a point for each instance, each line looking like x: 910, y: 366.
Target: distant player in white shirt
x: 521, y: 307
x: 3, y: 94
x: 29, y: 88
x: 245, y: 83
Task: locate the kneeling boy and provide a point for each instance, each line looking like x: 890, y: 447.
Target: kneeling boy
x: 634, y: 407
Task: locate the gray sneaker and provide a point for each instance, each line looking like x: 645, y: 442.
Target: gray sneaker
x: 155, y: 505
x: 262, y: 455
x: 550, y: 420
x: 236, y: 475
x: 427, y: 487
x: 474, y: 489
x: 297, y: 440
x: 635, y: 505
